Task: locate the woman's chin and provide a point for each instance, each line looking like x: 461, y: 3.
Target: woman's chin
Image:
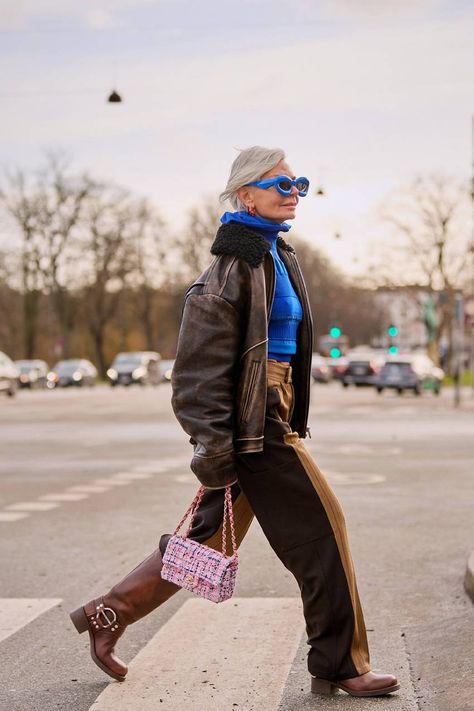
x: 282, y: 215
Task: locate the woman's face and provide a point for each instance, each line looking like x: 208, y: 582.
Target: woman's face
x: 269, y: 203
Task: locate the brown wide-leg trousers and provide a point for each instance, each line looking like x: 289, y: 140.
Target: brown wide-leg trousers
x: 304, y: 524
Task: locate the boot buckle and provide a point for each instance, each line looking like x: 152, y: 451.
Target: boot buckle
x: 105, y: 617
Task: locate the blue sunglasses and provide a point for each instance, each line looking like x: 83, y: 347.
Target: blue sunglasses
x: 284, y: 184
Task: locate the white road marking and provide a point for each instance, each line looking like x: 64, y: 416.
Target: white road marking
x: 88, y: 489
x: 16, y: 613
x: 183, y: 478
x: 7, y: 516
x: 63, y: 497
x: 237, y: 654
x: 15, y: 512
x: 32, y: 506
x: 355, y: 449
x: 161, y: 465
x: 349, y: 448
x: 321, y: 409
x: 354, y: 478
x: 132, y: 475
x: 356, y: 410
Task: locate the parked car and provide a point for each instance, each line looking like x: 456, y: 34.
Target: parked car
x: 415, y: 372
x: 33, y: 373
x: 337, y: 366
x: 135, y: 367
x: 73, y: 371
x: 9, y: 374
x: 362, y: 368
x: 320, y: 371
x: 166, y: 366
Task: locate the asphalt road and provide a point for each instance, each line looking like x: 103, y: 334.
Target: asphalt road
x: 89, y: 481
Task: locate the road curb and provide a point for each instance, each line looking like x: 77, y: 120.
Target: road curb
x: 469, y: 577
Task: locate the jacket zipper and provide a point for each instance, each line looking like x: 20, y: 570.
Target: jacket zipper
x: 272, y: 294
x: 309, y: 332
x: 250, y: 389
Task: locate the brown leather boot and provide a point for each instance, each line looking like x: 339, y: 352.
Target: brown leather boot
x: 106, y: 618
x: 368, y: 684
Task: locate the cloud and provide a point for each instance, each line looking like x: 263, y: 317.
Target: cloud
x: 98, y: 19
x: 380, y: 9
x: 372, y: 106
x: 26, y: 14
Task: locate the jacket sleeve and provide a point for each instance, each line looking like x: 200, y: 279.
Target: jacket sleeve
x: 203, y: 385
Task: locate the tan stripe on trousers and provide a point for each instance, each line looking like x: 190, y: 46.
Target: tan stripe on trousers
x: 359, y: 647
x: 243, y: 517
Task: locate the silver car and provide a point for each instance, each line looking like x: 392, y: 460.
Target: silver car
x: 9, y: 375
x: 135, y: 367
x: 413, y: 371
x: 33, y: 373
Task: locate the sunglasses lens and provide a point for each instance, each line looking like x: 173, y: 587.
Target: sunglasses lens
x: 302, y: 186
x: 285, y: 186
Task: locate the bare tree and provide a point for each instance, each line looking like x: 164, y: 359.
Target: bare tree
x: 150, y: 268
x: 108, y: 249
x: 194, y: 245
x: 47, y: 210
x: 428, y: 225
x: 18, y: 205
x: 335, y: 299
x: 10, y: 309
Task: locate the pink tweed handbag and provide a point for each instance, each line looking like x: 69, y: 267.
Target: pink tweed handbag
x: 198, y: 568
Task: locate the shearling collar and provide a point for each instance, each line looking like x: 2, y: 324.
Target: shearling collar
x: 241, y: 242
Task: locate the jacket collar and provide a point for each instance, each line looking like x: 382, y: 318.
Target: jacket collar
x: 241, y: 242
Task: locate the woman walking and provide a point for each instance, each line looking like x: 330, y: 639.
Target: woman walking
x: 241, y: 386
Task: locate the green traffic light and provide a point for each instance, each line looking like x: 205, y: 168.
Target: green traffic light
x: 335, y: 332
x: 393, y: 350
x: 335, y: 353
x: 392, y: 331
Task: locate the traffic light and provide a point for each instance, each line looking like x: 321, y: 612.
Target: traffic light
x: 335, y: 332
x: 392, y: 331
x: 335, y: 353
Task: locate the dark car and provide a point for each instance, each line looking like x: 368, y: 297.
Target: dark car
x: 135, y: 367
x: 362, y: 368
x: 415, y: 372
x: 337, y: 366
x: 33, y: 373
x: 73, y: 371
x: 8, y: 375
x: 320, y: 371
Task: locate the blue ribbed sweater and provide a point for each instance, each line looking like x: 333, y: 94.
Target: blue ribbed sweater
x: 287, y: 312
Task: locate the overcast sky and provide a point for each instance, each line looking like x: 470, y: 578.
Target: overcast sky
x: 362, y: 95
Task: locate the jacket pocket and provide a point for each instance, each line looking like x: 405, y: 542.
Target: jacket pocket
x: 251, y: 389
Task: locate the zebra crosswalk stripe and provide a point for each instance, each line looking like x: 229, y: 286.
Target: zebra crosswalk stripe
x: 16, y: 613
x: 212, y: 657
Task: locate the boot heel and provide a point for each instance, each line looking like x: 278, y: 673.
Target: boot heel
x: 79, y: 620
x: 321, y: 686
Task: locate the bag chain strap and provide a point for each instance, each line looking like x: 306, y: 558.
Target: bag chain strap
x: 228, y: 512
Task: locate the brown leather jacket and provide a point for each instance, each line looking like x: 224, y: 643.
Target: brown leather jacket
x: 219, y: 379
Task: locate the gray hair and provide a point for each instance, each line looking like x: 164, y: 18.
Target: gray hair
x: 250, y: 165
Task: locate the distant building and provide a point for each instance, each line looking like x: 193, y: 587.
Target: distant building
x: 404, y: 306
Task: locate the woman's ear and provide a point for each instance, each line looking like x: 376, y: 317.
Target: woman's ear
x: 245, y: 196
